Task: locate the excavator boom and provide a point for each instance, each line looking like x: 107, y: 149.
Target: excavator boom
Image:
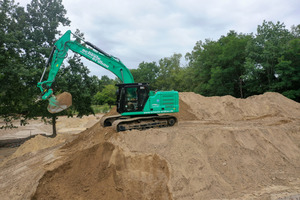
x: 92, y: 53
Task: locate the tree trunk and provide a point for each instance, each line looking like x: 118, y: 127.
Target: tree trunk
x: 53, y: 126
x: 241, y: 88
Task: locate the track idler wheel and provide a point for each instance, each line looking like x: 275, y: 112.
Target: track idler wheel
x: 171, y: 122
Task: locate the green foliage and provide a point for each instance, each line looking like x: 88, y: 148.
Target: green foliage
x: 166, y: 75
x: 169, y: 69
x: 242, y: 65
x: 265, y: 49
x: 27, y: 37
x: 101, y: 108
x: 146, y: 73
x: 273, y: 60
x: 25, y: 41
x: 106, y: 96
x: 216, y: 67
x: 288, y: 71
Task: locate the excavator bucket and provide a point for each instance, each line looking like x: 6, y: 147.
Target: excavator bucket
x: 60, y: 102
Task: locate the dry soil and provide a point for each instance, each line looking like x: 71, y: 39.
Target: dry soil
x: 222, y: 148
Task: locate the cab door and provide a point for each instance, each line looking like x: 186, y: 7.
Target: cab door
x: 132, y: 97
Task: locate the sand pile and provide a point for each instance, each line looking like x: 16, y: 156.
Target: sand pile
x: 105, y: 172
x: 19, y: 173
x: 230, y: 108
x: 223, y: 148
x: 97, y: 169
x: 185, y: 113
x: 217, y: 161
x: 38, y: 143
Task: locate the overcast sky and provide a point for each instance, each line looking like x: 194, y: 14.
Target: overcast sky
x: 148, y: 30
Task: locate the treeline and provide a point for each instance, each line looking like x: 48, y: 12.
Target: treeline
x: 240, y: 65
x: 26, y: 40
x: 236, y: 64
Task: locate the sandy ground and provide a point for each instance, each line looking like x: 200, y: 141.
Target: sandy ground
x: 222, y: 148
x: 64, y: 124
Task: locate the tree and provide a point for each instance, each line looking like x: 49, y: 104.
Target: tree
x: 217, y: 67
x: 26, y: 40
x: 168, y: 74
x: 106, y: 96
x: 200, y: 61
x: 146, y: 73
x: 288, y: 71
x: 264, y: 52
x: 105, y: 80
x: 231, y: 60
x: 44, y: 18
x: 10, y: 62
x: 273, y: 60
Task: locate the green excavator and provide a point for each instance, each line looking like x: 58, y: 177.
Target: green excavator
x: 138, y: 107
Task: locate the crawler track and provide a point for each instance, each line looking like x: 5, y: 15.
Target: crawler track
x: 123, y: 123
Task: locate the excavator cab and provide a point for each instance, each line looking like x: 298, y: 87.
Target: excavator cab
x: 132, y: 97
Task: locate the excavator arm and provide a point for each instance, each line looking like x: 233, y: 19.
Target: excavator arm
x: 89, y: 51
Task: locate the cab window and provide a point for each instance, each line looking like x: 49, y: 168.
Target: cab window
x: 131, y: 99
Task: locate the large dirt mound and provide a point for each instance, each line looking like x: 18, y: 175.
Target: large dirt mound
x: 98, y: 169
x: 239, y: 148
x: 225, y: 160
x: 222, y: 148
x: 38, y: 143
x: 229, y: 108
